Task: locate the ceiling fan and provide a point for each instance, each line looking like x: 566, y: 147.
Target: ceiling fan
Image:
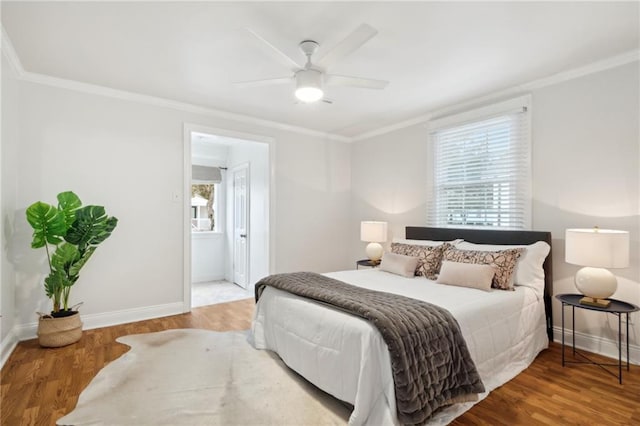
x: 311, y: 78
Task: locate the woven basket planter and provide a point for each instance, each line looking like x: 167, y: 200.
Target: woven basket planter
x: 56, y: 332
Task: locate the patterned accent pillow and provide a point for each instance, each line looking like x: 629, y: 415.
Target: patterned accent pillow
x: 503, y: 261
x: 429, y: 257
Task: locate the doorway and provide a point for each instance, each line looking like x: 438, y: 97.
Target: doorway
x: 224, y: 262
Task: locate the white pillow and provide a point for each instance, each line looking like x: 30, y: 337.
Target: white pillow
x: 528, y: 271
x: 430, y: 243
x: 399, y: 264
x: 474, y: 275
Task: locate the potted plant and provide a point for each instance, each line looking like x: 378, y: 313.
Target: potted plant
x: 70, y: 234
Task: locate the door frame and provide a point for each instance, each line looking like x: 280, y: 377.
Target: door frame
x: 188, y: 130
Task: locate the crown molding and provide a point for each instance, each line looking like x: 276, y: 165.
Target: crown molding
x: 605, y: 64
x: 94, y: 89
x: 16, y: 65
x: 168, y: 103
x: 594, y: 67
x: 401, y: 125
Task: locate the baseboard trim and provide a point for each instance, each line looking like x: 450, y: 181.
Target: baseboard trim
x: 107, y: 319
x: 7, y: 346
x: 598, y: 345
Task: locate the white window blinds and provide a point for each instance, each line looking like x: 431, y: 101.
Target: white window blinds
x: 206, y: 174
x: 481, y: 173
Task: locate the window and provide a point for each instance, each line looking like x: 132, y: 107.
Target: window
x: 204, y: 207
x: 205, y: 198
x: 481, y: 169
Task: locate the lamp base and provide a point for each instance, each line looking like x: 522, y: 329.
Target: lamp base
x: 592, y: 301
x: 374, y: 252
x: 596, y: 284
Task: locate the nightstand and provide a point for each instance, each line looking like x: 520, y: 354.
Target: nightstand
x: 617, y: 308
x: 367, y: 263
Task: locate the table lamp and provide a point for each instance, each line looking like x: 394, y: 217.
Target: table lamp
x: 596, y: 249
x: 374, y: 233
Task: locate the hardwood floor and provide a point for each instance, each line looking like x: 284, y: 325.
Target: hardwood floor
x: 38, y: 386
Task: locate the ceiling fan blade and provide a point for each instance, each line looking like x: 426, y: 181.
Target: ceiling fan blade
x: 345, y: 80
x: 279, y: 54
x: 263, y: 82
x: 357, y: 38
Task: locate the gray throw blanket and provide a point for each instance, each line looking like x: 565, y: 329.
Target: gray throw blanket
x: 430, y: 361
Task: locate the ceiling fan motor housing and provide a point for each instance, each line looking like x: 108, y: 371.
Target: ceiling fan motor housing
x: 309, y: 78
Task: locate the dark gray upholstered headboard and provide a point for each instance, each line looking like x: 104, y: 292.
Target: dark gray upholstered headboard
x: 481, y: 236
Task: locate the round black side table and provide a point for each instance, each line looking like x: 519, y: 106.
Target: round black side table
x: 368, y: 263
x: 617, y: 308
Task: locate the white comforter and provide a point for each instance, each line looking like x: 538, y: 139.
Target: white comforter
x: 346, y: 356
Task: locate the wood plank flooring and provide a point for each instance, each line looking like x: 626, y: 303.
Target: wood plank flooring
x: 38, y: 386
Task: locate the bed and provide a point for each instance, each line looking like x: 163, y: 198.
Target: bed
x: 346, y: 356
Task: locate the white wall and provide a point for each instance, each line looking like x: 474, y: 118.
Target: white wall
x: 207, y: 153
x: 208, y: 254
x: 388, y: 183
x: 312, y: 228
x: 115, y: 153
x: 586, y: 164
x: 10, y: 135
x: 586, y: 172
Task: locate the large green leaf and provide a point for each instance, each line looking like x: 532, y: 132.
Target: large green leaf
x: 74, y: 270
x: 68, y: 203
x: 63, y: 259
x: 91, y: 227
x: 48, y: 224
x: 66, y: 262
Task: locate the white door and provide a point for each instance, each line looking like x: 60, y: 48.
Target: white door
x: 240, y: 225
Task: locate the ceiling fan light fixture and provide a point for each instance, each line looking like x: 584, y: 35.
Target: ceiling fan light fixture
x: 309, y: 94
x: 309, y: 85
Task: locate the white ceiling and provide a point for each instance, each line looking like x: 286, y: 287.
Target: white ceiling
x: 433, y: 54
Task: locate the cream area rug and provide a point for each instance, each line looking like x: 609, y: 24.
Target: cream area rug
x: 201, y: 377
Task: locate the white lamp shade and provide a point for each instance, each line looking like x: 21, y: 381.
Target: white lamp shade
x: 598, y: 248
x: 373, y: 232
